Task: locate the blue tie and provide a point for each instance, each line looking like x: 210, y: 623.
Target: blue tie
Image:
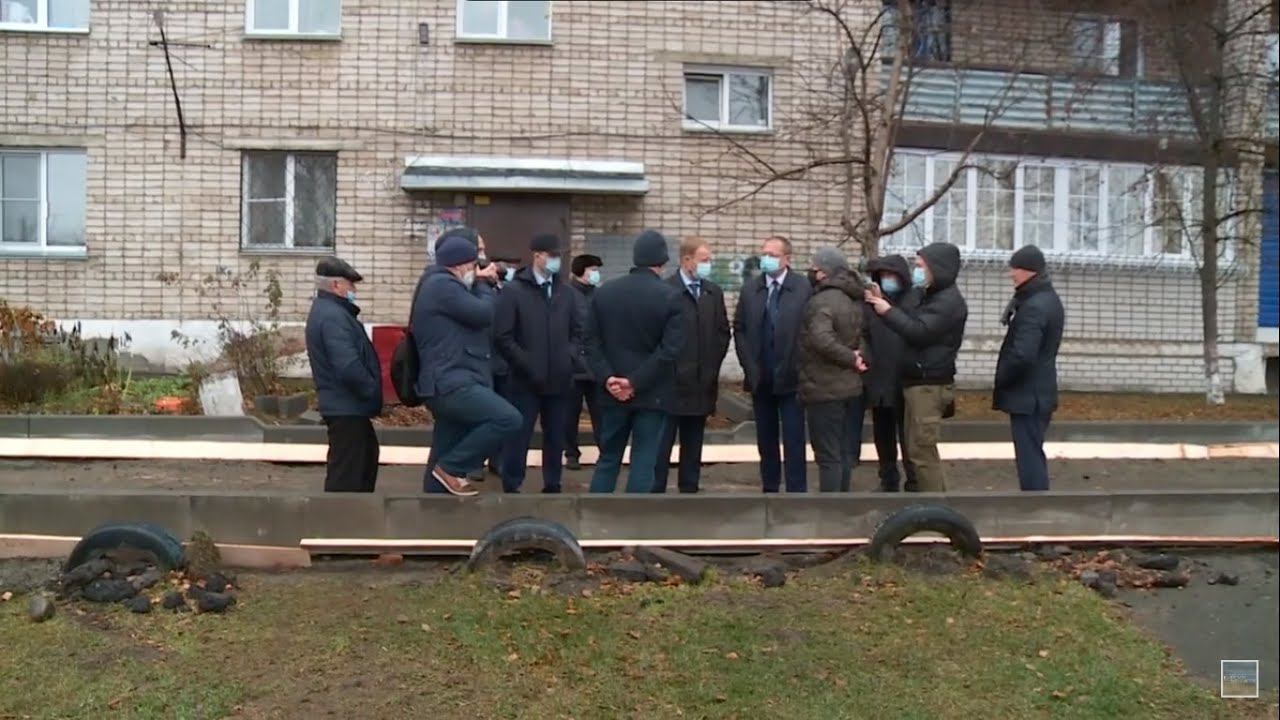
x: 695, y: 289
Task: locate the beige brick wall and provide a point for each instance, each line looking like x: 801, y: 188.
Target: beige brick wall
x: 608, y: 88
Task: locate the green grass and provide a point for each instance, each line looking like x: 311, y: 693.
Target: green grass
x: 139, y: 397
x: 866, y: 644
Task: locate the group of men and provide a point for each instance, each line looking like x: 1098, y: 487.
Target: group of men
x: 503, y: 348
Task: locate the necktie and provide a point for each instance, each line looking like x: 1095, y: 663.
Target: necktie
x: 547, y: 287
x: 695, y: 288
x: 772, y: 302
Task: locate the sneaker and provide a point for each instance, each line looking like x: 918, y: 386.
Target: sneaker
x: 456, y: 485
x: 572, y: 463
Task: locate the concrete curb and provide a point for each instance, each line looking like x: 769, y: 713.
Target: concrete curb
x: 248, y: 429
x: 273, y: 519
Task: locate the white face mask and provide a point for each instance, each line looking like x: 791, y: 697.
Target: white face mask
x: 469, y: 279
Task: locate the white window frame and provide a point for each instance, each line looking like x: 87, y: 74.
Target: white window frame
x: 1060, y: 247
x: 290, y: 201
x: 292, y: 32
x: 501, y: 35
x: 722, y: 125
x: 41, y: 246
x: 41, y: 25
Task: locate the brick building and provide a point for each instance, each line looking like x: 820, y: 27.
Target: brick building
x: 365, y: 127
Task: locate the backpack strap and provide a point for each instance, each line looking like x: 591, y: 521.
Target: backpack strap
x: 414, y: 300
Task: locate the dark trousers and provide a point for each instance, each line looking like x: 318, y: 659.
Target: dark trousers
x: 644, y: 428
x: 582, y: 391
x: 470, y: 424
x: 500, y: 388
x: 771, y: 411
x: 888, y: 427
x: 550, y: 409
x: 691, y: 429
x: 352, y: 464
x: 831, y: 433
x: 1028, y: 449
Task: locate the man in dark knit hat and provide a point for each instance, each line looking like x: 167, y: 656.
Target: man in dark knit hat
x: 347, y: 376
x: 1026, y: 384
x: 634, y: 335
x: 585, y: 278
x: 452, y: 323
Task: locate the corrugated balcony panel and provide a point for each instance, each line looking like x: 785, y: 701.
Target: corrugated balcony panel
x: 1093, y: 105
x: 933, y: 96
x: 1162, y: 109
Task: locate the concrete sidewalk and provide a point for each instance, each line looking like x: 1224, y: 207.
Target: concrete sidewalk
x: 964, y: 476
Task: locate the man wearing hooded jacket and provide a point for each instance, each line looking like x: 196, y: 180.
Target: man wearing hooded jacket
x: 882, y: 383
x: 933, y: 330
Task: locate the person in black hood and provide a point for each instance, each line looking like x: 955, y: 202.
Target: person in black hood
x: 882, y: 384
x: 538, y: 331
x: 933, y: 330
x: 585, y: 279
x: 1026, y: 383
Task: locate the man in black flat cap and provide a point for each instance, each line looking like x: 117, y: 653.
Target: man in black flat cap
x: 347, y: 377
x: 1026, y: 384
x: 538, y: 332
x: 585, y: 278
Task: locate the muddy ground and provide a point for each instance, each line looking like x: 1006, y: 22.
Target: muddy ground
x: 967, y: 475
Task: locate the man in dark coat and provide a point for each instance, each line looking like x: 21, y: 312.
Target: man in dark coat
x: 584, y: 281
x: 882, y: 383
x: 830, y: 366
x: 706, y: 341
x: 539, y: 333
x: 634, y: 336
x: 1026, y: 384
x: 348, y: 378
x: 452, y: 321
x: 933, y: 330
x: 506, y: 271
x: 766, y: 331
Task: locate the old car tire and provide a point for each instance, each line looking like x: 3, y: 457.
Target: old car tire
x: 527, y: 533
x: 146, y: 537
x: 925, y: 518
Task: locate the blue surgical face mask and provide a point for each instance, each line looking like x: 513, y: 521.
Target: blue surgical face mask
x: 704, y: 270
x: 510, y: 274
x: 593, y: 277
x: 351, y: 296
x: 890, y: 285
x: 769, y: 264
x: 553, y: 265
x: 918, y: 277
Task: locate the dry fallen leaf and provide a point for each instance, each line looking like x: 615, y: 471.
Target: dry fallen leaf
x: 426, y: 627
x: 6, y: 597
x: 1043, y: 653
x: 514, y: 594
x: 586, y: 592
x: 635, y: 634
x: 513, y: 657
x: 951, y: 621
x: 731, y: 656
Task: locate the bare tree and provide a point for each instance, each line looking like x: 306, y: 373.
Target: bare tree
x: 861, y: 98
x: 1225, y: 87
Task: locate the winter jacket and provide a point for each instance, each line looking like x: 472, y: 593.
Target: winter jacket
x: 582, y: 301
x: 706, y: 342
x: 1027, y: 371
x: 882, y: 383
x: 344, y: 365
x: 749, y: 332
x: 453, y: 328
x: 933, y: 328
x: 832, y: 331
x: 634, y: 331
x: 538, y: 336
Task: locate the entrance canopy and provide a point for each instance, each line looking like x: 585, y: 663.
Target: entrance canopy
x: 506, y: 174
